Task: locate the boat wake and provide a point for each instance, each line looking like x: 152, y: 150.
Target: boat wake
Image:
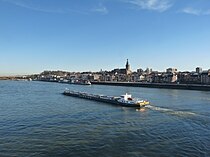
x: 170, y: 111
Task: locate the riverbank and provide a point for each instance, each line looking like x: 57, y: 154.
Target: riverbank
x: 158, y: 85
x: 148, y: 85
x: 6, y: 78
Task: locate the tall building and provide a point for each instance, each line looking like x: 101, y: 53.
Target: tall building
x: 198, y: 70
x: 128, y: 68
x: 171, y: 75
x: 148, y: 71
x: 140, y: 71
x: 171, y: 70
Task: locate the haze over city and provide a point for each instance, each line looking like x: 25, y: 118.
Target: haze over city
x: 91, y: 35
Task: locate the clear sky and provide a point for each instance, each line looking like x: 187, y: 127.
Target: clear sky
x: 89, y: 35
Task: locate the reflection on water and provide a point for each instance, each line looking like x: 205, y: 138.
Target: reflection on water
x: 37, y: 120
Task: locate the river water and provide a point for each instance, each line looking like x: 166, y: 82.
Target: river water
x: 36, y: 120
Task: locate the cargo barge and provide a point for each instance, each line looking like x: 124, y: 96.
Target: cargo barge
x: 124, y: 100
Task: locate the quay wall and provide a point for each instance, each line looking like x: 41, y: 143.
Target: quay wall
x: 157, y: 85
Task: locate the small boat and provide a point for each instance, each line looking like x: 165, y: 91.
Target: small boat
x: 81, y: 82
x: 124, y: 100
x: 86, y: 82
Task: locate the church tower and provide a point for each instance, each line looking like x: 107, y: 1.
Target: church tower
x: 128, y: 68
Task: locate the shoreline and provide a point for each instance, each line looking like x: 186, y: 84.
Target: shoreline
x: 157, y: 85
x: 198, y: 87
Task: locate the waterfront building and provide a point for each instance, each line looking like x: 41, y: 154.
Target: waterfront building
x: 171, y: 70
x: 195, y: 78
x: 157, y: 77
x: 141, y: 78
x: 170, y: 75
x: 94, y: 77
x: 136, y: 77
x: 123, y: 74
x: 189, y: 77
x: 118, y: 71
x: 126, y: 70
x: 183, y: 77
x: 140, y: 71
x: 148, y: 71
x: 205, y: 77
x: 198, y: 70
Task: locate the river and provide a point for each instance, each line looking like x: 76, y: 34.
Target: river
x: 36, y: 120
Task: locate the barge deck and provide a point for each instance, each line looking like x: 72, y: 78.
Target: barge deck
x: 124, y: 100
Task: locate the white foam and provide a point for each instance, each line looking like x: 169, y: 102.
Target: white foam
x: 170, y: 111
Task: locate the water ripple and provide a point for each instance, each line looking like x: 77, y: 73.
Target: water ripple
x: 37, y: 121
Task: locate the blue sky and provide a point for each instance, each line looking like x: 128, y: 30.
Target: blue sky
x: 89, y: 35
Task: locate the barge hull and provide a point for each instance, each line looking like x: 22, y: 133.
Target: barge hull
x: 100, y: 99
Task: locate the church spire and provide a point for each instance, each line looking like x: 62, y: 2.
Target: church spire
x: 127, y: 65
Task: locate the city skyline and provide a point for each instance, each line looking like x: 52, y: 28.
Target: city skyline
x: 102, y: 34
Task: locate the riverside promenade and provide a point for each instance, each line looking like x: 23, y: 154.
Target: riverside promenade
x: 157, y: 85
